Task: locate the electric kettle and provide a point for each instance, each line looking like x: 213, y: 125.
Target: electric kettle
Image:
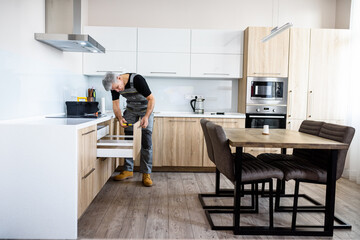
x: 197, y: 105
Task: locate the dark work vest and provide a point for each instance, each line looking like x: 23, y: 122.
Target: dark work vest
x: 135, y: 101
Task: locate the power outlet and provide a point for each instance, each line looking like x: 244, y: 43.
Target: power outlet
x: 189, y: 97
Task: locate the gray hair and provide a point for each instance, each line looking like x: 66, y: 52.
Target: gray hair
x: 108, y: 80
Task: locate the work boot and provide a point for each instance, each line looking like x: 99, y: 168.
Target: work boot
x: 147, y: 180
x: 123, y: 175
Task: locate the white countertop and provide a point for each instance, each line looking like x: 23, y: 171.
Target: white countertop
x: 194, y: 115
x: 79, y: 123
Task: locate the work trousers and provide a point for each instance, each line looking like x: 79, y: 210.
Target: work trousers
x: 146, y: 141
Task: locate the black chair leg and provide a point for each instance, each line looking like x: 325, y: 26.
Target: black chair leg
x: 296, y: 195
x: 271, y: 210
x: 277, y: 194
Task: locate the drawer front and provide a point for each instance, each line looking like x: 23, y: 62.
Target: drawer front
x: 102, y: 131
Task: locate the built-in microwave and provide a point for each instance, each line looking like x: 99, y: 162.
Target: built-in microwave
x: 266, y: 90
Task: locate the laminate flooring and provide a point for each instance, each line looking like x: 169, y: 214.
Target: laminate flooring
x: 171, y: 209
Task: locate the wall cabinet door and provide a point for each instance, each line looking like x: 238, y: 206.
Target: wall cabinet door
x: 268, y: 59
x: 99, y: 64
x: 182, y: 142
x: 217, y: 41
x: 164, y: 64
x: 114, y: 38
x: 216, y: 65
x: 329, y: 66
x: 225, y: 123
x: 298, y: 73
x: 164, y: 40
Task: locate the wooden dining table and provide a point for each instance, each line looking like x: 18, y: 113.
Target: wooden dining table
x: 283, y: 138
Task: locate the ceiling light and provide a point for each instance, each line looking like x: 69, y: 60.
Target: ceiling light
x: 275, y: 31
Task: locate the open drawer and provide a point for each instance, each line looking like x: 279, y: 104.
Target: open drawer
x: 118, y: 146
x: 115, y: 146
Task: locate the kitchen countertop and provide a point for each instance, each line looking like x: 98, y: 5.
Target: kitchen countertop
x: 194, y: 115
x: 79, y: 123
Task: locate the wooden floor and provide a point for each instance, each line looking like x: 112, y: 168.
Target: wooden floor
x: 171, y: 209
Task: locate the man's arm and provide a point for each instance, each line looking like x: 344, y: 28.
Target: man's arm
x: 117, y: 112
x: 150, y: 107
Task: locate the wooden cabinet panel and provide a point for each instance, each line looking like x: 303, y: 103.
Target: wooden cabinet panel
x: 329, y: 54
x: 157, y: 137
x: 86, y: 150
x: 86, y: 167
x: 298, y: 73
x: 182, y: 142
x: 225, y: 123
x: 268, y: 59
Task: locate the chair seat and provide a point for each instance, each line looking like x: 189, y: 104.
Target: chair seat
x: 272, y: 157
x: 295, y: 167
x: 301, y: 169
x: 255, y: 170
x: 247, y: 157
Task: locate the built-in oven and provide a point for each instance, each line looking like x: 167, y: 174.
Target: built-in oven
x: 260, y: 115
x: 266, y: 90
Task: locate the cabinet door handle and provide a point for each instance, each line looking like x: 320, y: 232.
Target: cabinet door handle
x: 310, y: 104
x: 88, y: 132
x: 86, y: 175
x: 182, y: 121
x: 267, y: 73
x: 224, y: 122
x: 290, y: 103
x: 163, y: 72
x: 117, y: 71
x: 217, y: 74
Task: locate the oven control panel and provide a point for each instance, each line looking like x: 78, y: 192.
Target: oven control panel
x: 271, y: 109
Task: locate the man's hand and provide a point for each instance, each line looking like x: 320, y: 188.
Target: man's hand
x: 123, y: 123
x: 144, y: 122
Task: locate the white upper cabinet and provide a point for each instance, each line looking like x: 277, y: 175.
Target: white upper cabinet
x: 216, y: 65
x: 164, y: 40
x: 119, y: 62
x: 114, y: 38
x: 217, y: 41
x: 164, y: 64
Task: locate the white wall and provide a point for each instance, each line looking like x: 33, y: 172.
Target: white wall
x: 220, y: 94
x: 228, y: 14
x: 204, y: 14
x: 343, y: 9
x: 35, y: 79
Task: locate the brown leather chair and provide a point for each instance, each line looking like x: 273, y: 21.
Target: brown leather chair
x: 307, y: 126
x: 222, y: 192
x: 254, y: 171
x: 311, y: 165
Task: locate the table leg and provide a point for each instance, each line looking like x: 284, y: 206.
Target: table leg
x: 237, y: 192
x: 330, y: 193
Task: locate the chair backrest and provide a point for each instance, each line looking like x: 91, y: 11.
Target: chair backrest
x: 224, y: 160
x: 338, y: 133
x: 309, y: 127
x: 209, y: 146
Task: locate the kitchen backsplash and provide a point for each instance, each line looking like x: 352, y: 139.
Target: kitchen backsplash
x: 220, y: 94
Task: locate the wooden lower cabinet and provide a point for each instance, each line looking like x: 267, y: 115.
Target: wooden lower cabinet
x: 86, y: 167
x: 225, y: 123
x: 157, y: 142
x: 182, y: 142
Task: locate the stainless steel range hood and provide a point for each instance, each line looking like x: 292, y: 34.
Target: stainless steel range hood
x: 72, y: 42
